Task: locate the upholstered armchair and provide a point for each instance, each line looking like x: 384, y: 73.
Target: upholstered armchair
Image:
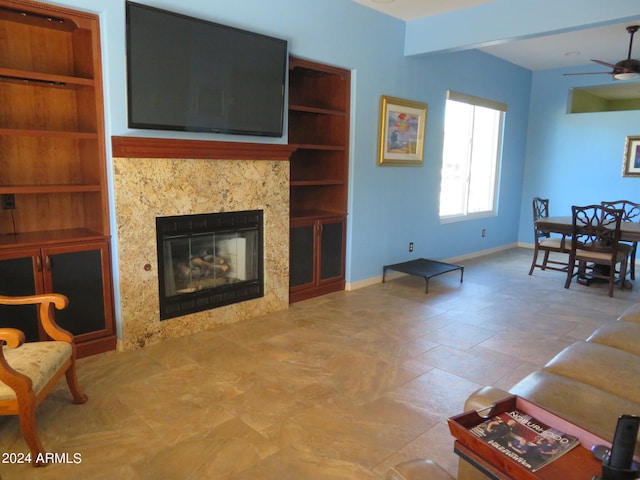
x: 28, y: 371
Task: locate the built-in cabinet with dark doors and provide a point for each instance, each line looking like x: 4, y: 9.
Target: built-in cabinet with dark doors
x: 319, y: 101
x: 76, y: 270
x: 54, y: 220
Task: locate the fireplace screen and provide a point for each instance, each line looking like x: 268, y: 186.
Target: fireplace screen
x: 207, y: 261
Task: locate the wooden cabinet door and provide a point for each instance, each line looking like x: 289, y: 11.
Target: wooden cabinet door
x: 83, y: 274
x: 317, y: 253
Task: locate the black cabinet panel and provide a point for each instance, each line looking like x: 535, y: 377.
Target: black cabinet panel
x: 16, y: 279
x: 78, y: 275
x: 331, y: 251
x: 301, y: 255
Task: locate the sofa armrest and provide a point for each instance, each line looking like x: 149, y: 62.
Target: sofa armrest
x: 484, y: 398
x: 631, y: 314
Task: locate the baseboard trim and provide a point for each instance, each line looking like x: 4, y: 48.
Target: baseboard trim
x: 350, y: 286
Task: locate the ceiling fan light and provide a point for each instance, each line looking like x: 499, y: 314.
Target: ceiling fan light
x: 625, y: 75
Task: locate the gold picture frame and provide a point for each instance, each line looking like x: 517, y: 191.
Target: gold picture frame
x: 631, y: 165
x: 402, y: 129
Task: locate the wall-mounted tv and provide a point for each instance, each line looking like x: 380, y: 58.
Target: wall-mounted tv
x: 188, y: 74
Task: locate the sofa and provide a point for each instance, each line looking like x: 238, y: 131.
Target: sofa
x: 590, y: 383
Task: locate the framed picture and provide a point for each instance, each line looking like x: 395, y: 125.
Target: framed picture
x: 631, y: 166
x: 402, y: 127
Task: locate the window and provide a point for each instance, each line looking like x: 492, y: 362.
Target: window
x: 470, y: 157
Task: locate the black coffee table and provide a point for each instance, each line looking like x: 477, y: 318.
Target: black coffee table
x: 423, y: 267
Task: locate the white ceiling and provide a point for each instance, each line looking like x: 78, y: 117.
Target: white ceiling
x: 608, y: 43
x: 412, y: 9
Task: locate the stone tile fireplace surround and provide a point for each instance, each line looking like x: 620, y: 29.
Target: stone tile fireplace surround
x: 161, y: 177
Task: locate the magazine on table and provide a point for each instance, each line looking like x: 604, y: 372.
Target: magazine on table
x: 526, y: 440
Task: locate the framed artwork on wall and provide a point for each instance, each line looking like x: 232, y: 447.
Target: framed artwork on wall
x: 402, y: 127
x: 631, y: 165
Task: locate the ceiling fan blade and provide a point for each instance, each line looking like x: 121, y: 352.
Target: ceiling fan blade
x: 606, y: 64
x: 623, y: 68
x: 589, y: 73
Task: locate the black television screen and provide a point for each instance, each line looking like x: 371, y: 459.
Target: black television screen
x: 188, y: 74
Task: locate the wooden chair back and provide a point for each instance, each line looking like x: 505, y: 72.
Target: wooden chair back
x: 596, y: 228
x: 630, y: 210
x: 540, y: 210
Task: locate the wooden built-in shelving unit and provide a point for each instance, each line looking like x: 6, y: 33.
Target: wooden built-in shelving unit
x: 52, y: 158
x: 319, y: 109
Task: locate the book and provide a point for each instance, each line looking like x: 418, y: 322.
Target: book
x: 524, y: 439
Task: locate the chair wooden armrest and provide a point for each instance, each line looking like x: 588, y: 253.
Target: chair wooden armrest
x: 12, y: 337
x: 28, y: 371
x: 46, y: 302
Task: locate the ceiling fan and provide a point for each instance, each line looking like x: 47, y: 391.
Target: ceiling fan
x: 624, y: 69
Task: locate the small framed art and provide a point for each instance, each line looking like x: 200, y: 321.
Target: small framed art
x: 402, y: 129
x: 631, y: 166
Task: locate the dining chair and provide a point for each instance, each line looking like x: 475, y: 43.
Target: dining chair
x: 544, y: 242
x: 595, y: 245
x: 631, y: 214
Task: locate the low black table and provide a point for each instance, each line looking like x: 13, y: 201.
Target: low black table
x: 423, y: 267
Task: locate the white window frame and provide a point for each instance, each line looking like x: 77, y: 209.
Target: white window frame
x: 495, y: 175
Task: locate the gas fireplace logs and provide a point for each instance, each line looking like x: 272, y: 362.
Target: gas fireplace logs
x: 202, y: 271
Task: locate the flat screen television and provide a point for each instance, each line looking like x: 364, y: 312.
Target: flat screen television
x: 188, y: 74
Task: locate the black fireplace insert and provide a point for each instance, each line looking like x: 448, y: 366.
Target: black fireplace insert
x: 209, y: 260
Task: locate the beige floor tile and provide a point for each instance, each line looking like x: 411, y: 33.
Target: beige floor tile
x: 338, y: 387
x: 535, y: 348
x: 460, y: 335
x: 465, y: 364
x: 437, y: 393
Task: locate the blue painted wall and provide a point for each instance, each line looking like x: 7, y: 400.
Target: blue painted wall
x: 573, y: 159
x: 392, y: 206
x: 396, y: 205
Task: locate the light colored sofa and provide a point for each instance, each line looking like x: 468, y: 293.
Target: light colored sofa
x: 590, y: 383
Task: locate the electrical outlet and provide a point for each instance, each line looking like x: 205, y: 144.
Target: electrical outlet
x: 8, y: 201
x: 484, y: 233
x: 411, y: 246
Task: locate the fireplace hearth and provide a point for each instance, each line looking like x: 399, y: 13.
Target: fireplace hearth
x: 209, y: 260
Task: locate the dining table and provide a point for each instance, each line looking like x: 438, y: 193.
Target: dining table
x: 629, y: 231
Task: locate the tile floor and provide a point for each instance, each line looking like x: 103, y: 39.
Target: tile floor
x: 338, y: 387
